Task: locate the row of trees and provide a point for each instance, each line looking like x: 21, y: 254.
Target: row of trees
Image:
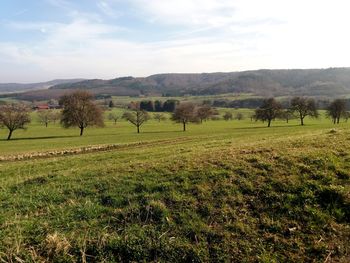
x: 300, y: 107
x: 155, y: 106
x: 79, y: 110
x: 183, y: 113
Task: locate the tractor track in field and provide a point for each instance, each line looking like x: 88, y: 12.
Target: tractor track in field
x: 88, y: 149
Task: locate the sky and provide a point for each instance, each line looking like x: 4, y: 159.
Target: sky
x: 42, y: 40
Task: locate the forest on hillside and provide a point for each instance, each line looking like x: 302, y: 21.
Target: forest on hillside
x: 332, y: 82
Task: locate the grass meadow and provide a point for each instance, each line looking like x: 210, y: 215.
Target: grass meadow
x: 125, y: 100
x: 36, y: 137
x: 223, y: 191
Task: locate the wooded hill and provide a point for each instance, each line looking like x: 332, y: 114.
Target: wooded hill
x: 332, y: 82
x: 20, y: 87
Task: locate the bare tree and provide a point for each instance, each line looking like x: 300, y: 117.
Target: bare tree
x: 252, y: 117
x: 228, y: 116
x: 45, y: 116
x: 137, y: 117
x: 80, y: 111
x: 287, y: 115
x: 346, y: 116
x: 13, y: 117
x: 185, y: 113
x: 159, y: 117
x: 204, y: 112
x: 336, y: 110
x: 239, y: 116
x: 113, y: 116
x: 55, y: 116
x: 268, y: 111
x: 303, y: 107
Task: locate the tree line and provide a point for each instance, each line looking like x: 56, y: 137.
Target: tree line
x: 156, y: 106
x: 79, y: 110
x: 253, y: 103
x: 300, y: 107
x: 182, y: 113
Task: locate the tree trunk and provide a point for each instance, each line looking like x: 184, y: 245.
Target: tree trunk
x: 46, y: 124
x: 81, y: 131
x: 269, y: 123
x: 184, y: 126
x: 10, y: 134
x: 138, y: 129
x: 338, y: 120
x: 302, y: 121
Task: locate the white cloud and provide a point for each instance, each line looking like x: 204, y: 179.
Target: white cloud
x: 30, y: 26
x: 106, y: 9
x: 220, y: 35
x: 210, y: 13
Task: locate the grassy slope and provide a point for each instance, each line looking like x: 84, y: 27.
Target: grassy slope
x: 38, y: 138
x: 221, y: 192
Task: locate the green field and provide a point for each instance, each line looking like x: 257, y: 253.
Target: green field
x: 224, y: 191
x: 124, y: 100
x: 39, y: 138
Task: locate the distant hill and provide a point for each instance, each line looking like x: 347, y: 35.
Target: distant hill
x: 18, y: 87
x: 332, y: 82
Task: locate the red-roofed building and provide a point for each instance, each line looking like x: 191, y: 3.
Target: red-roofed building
x: 42, y: 107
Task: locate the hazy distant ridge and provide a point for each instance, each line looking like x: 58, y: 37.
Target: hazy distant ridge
x: 261, y: 82
x: 18, y: 87
x: 332, y: 82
